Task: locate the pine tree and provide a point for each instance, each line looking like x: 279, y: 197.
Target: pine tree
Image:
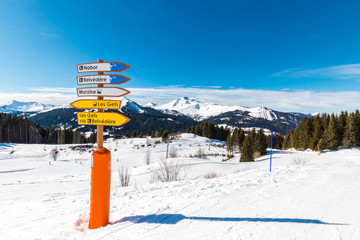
x: 342, y: 119
x: 198, y: 130
x: 260, y: 142
x: 288, y: 141
x: 325, y: 118
x: 235, y: 140
x: 92, y: 138
x: 165, y: 135
x: 352, y: 129
x: 229, y: 145
x: 303, y: 133
x: 317, y: 134
x: 241, y: 137
x: 278, y: 141
x: 76, y: 137
x: 247, y: 150
x: 331, y: 135
x: 321, y: 145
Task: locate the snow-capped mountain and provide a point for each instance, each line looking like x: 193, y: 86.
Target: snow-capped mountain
x: 201, y: 111
x: 151, y: 105
x: 193, y: 108
x: 24, y: 107
x: 142, y: 118
x: 128, y: 105
x: 178, y: 114
x: 232, y: 116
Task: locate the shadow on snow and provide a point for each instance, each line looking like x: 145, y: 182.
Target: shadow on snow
x: 175, y: 218
x: 16, y: 170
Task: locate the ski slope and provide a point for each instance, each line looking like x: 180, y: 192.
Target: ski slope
x: 306, y: 196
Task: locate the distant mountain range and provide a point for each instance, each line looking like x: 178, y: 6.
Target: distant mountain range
x: 178, y: 114
x: 24, y: 107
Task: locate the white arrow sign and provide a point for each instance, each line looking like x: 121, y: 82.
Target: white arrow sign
x: 102, y: 92
x: 102, y: 79
x: 102, y: 67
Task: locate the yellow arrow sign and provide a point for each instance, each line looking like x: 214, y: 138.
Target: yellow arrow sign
x: 86, y: 104
x: 101, y: 118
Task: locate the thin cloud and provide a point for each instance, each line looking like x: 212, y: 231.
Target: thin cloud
x: 46, y: 35
x: 350, y: 71
x: 286, y: 72
x: 45, y: 98
x: 299, y: 101
x: 59, y: 90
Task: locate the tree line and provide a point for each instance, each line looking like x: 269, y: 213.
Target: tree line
x: 325, y: 132
x: 19, y: 129
x: 204, y: 129
x: 251, y: 144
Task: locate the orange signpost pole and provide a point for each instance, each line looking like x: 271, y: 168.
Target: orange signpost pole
x: 100, y: 179
x: 100, y: 188
x: 101, y: 157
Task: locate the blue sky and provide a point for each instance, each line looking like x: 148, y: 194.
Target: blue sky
x: 287, y: 55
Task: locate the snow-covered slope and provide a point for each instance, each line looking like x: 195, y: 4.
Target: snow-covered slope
x: 16, y: 106
x: 306, y: 196
x: 193, y: 108
x: 128, y: 105
x: 199, y: 111
x: 232, y: 116
x: 151, y: 105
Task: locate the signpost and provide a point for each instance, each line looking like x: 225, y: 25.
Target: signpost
x: 101, y: 157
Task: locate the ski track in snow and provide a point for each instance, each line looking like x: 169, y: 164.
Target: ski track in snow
x: 314, y: 200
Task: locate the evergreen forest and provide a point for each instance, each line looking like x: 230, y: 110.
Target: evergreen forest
x: 325, y: 132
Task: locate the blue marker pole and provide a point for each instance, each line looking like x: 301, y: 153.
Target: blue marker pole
x: 271, y: 145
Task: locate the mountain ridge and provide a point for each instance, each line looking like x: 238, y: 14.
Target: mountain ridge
x: 178, y: 114
x: 15, y: 106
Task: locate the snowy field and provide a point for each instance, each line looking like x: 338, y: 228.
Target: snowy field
x: 306, y: 196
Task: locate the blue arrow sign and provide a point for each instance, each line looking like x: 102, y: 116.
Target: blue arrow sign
x: 117, y: 79
x: 102, y: 79
x: 117, y: 67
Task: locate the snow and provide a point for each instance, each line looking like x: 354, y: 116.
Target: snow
x: 200, y: 111
x: 14, y: 105
x: 151, y: 105
x: 130, y: 105
x: 306, y: 196
x: 262, y: 112
x: 194, y: 108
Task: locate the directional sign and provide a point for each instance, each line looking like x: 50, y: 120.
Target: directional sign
x: 102, y: 79
x: 101, y: 118
x: 102, y: 67
x: 92, y: 104
x: 102, y: 92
